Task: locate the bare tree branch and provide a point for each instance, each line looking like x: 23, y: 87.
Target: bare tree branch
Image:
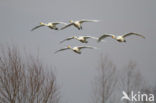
x: 105, y: 81
x: 25, y: 82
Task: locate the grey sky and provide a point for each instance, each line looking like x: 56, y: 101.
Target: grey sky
x: 75, y: 72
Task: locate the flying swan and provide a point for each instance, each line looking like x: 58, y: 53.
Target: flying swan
x: 77, y: 24
x: 51, y: 25
x: 120, y: 38
x: 76, y: 49
x: 82, y: 39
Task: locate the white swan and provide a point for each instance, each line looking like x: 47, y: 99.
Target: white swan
x: 76, y: 49
x: 120, y: 38
x: 82, y: 39
x: 51, y: 25
x: 77, y: 24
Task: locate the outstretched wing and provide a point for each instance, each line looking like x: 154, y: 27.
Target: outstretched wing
x: 89, y: 47
x: 66, y: 26
x: 128, y: 34
x: 36, y: 27
x: 104, y: 36
x: 82, y: 21
x: 55, y: 23
x: 90, y: 37
x: 61, y: 50
x: 66, y: 39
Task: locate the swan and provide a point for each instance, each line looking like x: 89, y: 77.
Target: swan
x: 76, y: 49
x: 77, y: 24
x: 120, y: 38
x: 82, y: 39
x: 51, y: 25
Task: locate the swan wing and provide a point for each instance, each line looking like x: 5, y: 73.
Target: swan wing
x: 89, y: 47
x: 36, y: 27
x: 66, y: 39
x: 131, y: 33
x: 90, y: 37
x: 82, y: 21
x: 55, y: 23
x: 66, y: 26
x: 104, y: 36
x: 61, y: 50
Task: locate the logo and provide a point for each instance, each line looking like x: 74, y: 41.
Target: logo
x: 134, y: 97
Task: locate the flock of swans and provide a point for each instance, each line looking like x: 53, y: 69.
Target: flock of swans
x: 83, y: 39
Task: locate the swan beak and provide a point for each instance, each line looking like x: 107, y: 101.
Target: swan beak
x: 41, y: 23
x: 68, y: 47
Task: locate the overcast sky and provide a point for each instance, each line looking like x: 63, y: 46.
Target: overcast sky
x: 75, y: 72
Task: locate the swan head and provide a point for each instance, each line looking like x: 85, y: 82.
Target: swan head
x: 69, y: 46
x: 71, y: 21
x: 74, y: 37
x: 41, y: 23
